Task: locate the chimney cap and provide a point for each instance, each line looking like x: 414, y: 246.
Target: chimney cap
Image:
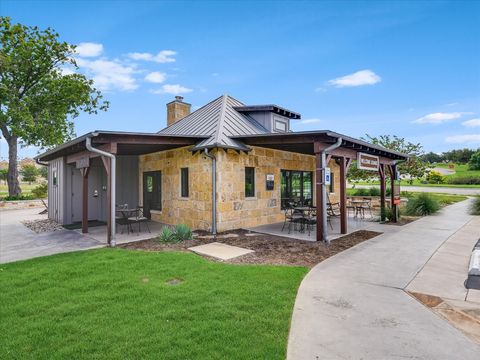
x: 179, y: 98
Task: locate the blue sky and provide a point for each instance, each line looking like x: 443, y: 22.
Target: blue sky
x: 377, y: 67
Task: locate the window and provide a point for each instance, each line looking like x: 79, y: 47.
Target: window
x: 184, y: 182
x: 54, y: 177
x: 280, y: 126
x: 296, y: 187
x: 249, y: 182
x: 332, y: 183
x: 149, y: 183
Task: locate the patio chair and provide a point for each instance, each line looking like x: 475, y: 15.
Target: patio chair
x: 120, y: 218
x: 333, y: 210
x: 139, y: 218
x: 291, y: 217
x: 350, y: 206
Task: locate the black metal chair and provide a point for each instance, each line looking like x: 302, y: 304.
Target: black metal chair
x: 138, y: 219
x: 292, y: 216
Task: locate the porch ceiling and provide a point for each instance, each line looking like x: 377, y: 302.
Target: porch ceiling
x: 121, y: 143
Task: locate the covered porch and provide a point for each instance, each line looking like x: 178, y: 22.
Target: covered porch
x: 326, y: 146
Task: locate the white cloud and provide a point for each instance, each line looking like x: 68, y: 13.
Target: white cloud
x: 320, y: 90
x: 460, y: 139
x: 164, y: 56
x: 472, y: 123
x: 359, y: 78
x: 175, y: 89
x: 156, y: 77
x: 88, y: 49
x: 67, y: 71
x: 310, y: 121
x: 110, y: 74
x: 439, y: 117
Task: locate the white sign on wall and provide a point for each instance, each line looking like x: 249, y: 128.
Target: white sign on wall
x: 328, y: 176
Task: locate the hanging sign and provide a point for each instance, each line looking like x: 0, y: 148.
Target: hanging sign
x: 83, y: 162
x: 396, y: 193
x: 328, y: 176
x: 367, y: 162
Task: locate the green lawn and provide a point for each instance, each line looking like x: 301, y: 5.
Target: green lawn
x: 116, y: 304
x: 26, y: 189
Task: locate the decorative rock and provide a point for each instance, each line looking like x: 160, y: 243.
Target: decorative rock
x: 40, y: 226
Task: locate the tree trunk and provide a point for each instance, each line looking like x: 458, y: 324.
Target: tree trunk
x: 12, y: 176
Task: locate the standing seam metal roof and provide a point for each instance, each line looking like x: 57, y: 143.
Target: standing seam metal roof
x: 219, y: 120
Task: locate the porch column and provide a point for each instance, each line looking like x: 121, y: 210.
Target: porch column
x: 319, y: 166
x: 107, y: 165
x: 381, y: 172
x: 84, y: 172
x: 343, y: 195
x: 393, y: 170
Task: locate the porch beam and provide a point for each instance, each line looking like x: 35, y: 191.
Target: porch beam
x: 343, y: 195
x: 147, y: 140
x: 111, y: 148
x: 84, y: 173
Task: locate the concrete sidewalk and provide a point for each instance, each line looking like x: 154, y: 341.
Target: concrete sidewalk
x: 353, y: 306
x: 17, y: 242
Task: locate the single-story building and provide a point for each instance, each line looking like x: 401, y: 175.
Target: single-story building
x: 224, y: 166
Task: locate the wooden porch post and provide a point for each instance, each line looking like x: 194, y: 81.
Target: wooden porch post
x: 343, y: 195
x: 106, y: 163
x: 393, y: 170
x: 84, y: 172
x: 381, y: 172
x: 318, y: 190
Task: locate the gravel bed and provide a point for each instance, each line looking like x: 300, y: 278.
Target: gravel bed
x: 40, y: 226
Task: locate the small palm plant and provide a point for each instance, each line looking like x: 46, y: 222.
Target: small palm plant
x: 183, y: 232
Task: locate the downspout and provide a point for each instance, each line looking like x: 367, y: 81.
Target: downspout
x: 214, y: 191
x: 113, y: 180
x: 324, y: 188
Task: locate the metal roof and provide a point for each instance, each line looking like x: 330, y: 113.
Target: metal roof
x: 220, y: 121
x: 272, y: 108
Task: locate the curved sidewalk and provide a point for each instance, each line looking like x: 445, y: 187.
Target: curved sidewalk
x: 353, y: 306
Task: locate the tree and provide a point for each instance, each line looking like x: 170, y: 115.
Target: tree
x: 29, y: 173
x: 414, y: 167
x: 43, y: 172
x: 432, y: 157
x: 461, y: 156
x: 474, y: 163
x: 37, y: 102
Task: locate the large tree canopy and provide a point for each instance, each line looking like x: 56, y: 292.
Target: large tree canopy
x: 38, y: 102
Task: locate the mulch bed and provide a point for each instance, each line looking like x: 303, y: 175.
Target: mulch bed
x: 269, y: 249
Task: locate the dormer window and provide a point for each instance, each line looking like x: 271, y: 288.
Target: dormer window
x: 279, y: 125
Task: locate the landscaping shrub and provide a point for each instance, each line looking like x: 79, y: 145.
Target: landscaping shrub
x: 388, y: 213
x: 183, y: 232
x: 475, y: 207
x: 40, y: 191
x: 434, y: 177
x: 421, y: 205
x: 463, y: 180
x: 180, y: 233
x: 474, y: 163
x: 18, y: 197
x: 166, y: 235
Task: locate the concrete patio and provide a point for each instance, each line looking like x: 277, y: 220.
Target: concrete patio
x: 99, y: 233
x: 354, y: 224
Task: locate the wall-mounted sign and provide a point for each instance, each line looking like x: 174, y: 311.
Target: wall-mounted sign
x: 367, y: 162
x: 328, y: 176
x: 270, y: 183
x: 396, y: 193
x: 83, y: 162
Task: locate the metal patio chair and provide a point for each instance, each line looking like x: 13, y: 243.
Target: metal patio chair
x: 139, y: 218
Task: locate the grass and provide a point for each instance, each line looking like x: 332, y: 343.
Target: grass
x: 26, y: 189
x: 117, y: 304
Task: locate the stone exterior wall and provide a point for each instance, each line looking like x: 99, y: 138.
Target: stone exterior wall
x: 233, y: 209
x: 237, y: 211
x: 196, y: 210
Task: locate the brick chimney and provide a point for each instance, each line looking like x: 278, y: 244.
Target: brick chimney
x: 176, y: 110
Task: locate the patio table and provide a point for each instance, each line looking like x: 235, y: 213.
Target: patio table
x: 359, y: 207
x: 126, y: 213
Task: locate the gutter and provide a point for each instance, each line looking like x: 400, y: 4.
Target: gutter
x: 214, y: 190
x: 324, y: 188
x: 40, y: 162
x: 113, y: 180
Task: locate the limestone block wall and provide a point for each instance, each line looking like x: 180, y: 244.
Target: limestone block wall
x: 234, y: 209
x: 196, y: 210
